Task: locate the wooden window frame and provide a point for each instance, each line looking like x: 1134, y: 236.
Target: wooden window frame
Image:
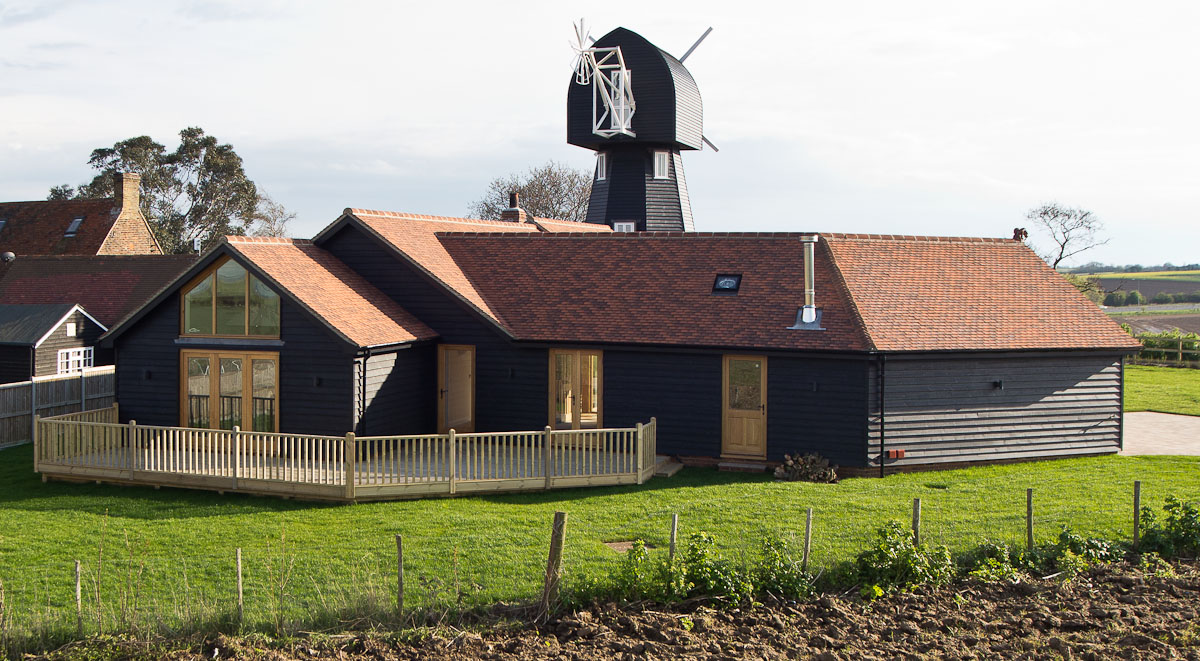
x: 214, y: 384
x: 85, y: 356
x: 575, y: 407
x: 209, y: 271
x: 624, y: 226
x: 601, y: 166
x: 666, y: 171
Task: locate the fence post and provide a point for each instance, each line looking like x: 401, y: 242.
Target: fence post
x: 133, y: 444
x: 1137, y: 513
x: 36, y: 450
x: 32, y: 407
x: 78, y: 601
x: 399, y: 575
x: 241, y: 603
x: 674, y: 534
x: 1029, y: 518
x: 641, y: 443
x: 807, y: 539
x: 452, y: 436
x: 237, y: 456
x: 553, y: 566
x: 916, y: 526
x: 82, y: 391
x: 547, y: 454
x: 350, y: 450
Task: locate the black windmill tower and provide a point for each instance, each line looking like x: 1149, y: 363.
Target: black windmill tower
x: 638, y: 108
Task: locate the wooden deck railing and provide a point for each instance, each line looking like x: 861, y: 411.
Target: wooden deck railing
x: 92, y: 446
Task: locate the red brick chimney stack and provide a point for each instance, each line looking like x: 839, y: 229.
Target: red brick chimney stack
x: 514, y: 213
x: 127, y: 190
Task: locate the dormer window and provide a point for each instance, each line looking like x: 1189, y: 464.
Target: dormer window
x: 601, y: 166
x: 227, y: 301
x: 74, y: 227
x: 662, y: 167
x: 727, y: 284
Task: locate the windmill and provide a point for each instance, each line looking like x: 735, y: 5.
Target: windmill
x: 639, y: 181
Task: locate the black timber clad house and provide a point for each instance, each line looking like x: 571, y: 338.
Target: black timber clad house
x: 484, y: 346
x: 47, y: 339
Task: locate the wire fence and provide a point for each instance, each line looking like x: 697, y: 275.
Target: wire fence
x: 289, y: 586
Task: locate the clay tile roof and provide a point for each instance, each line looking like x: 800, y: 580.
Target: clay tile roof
x: 416, y: 237
x: 39, y: 228
x: 653, y: 288
x: 333, y: 292
x: 109, y: 287
x: 965, y: 293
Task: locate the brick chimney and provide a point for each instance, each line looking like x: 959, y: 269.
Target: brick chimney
x: 127, y: 190
x: 514, y: 213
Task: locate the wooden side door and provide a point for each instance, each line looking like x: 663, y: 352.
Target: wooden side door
x: 456, y: 388
x: 744, y: 404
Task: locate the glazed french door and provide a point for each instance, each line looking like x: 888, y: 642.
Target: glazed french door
x: 576, y: 389
x: 223, y: 390
x: 456, y: 388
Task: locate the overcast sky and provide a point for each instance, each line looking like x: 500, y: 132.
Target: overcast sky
x: 950, y: 118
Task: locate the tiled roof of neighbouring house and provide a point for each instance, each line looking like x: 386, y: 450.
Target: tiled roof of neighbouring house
x: 40, y: 227
x: 918, y: 293
x: 654, y: 288
x: 24, y: 325
x: 333, y: 292
x: 109, y: 287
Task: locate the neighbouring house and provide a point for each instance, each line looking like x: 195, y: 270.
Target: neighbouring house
x: 105, y: 226
x: 893, y: 350
x: 41, y: 340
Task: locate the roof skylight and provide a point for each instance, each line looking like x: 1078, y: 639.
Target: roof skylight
x: 727, y: 283
x: 74, y: 227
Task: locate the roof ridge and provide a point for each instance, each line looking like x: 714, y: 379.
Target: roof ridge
x: 401, y: 215
x: 636, y: 235
x: 280, y: 240
x: 76, y: 200
x: 915, y: 237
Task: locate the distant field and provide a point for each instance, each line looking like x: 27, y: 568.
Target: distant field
x: 1185, y: 276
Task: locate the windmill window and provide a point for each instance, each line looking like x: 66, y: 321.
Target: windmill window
x: 74, y: 227
x: 625, y: 226
x: 601, y: 166
x: 662, y: 166
x: 727, y: 284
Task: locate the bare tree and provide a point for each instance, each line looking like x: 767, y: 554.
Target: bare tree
x: 1072, y: 230
x: 270, y: 218
x: 554, y: 190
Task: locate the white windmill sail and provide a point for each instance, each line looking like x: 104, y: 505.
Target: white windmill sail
x: 612, y: 87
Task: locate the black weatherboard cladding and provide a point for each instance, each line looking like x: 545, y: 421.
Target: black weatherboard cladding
x: 87, y: 332
x: 316, y: 371
x: 669, y: 109
x: 510, y: 381
x: 399, y: 395
x: 15, y: 363
x: 1002, y: 407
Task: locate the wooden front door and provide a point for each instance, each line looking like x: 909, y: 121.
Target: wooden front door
x: 744, y: 428
x: 456, y: 388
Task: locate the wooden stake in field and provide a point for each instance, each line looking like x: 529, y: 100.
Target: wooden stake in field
x: 1137, y: 513
x: 1029, y: 518
x: 553, y: 566
x: 78, y: 600
x: 916, y: 522
x: 399, y: 575
x: 241, y: 603
x: 807, y: 540
x: 674, y: 534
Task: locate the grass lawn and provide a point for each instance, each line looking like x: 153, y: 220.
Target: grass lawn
x: 173, y: 550
x: 1162, y: 389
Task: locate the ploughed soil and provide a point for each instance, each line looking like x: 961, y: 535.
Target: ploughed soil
x: 1107, y: 613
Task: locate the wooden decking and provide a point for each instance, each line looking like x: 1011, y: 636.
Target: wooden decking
x: 92, y: 446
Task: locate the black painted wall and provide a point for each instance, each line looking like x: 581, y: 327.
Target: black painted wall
x: 510, y: 381
x: 631, y: 193
x: 398, y: 396
x: 817, y: 405
x: 15, y: 363
x: 87, y: 332
x: 316, y: 371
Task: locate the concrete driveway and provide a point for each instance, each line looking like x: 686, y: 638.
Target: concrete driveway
x: 1161, y: 433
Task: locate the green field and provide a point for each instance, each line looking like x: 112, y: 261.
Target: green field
x: 1182, y: 276
x: 1162, y: 389
x: 171, y: 552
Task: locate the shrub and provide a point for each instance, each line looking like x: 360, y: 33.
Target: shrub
x: 1177, y: 534
x: 806, y: 468
x: 1194, y: 297
x: 1162, y: 297
x: 712, y: 575
x: 897, y: 563
x: 1135, y: 298
x: 780, y: 575
x: 1114, y: 298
